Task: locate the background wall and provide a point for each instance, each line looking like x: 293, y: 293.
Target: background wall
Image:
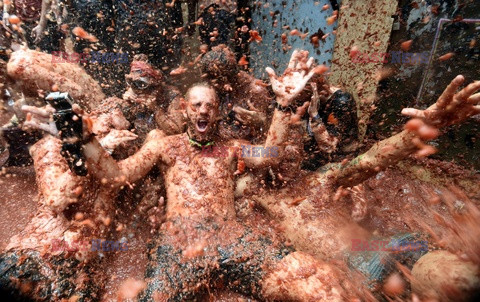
x: 418, y: 21
x: 273, y: 18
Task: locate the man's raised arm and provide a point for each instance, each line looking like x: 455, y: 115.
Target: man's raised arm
x: 450, y: 108
x: 286, y: 88
x: 101, y: 164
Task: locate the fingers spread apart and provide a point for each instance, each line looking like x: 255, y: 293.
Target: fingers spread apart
x: 474, y: 99
x: 462, y: 96
x: 414, y: 113
x: 449, y: 92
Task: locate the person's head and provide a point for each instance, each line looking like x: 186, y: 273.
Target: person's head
x: 219, y: 65
x: 322, y: 89
x: 341, y: 117
x: 143, y: 77
x: 202, y: 111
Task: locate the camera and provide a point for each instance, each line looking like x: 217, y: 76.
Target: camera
x: 70, y: 127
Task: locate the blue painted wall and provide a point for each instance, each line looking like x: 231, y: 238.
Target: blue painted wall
x: 303, y: 15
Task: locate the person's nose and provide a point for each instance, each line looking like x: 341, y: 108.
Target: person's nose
x: 203, y: 109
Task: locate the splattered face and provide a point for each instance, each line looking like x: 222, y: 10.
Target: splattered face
x: 202, y: 112
x: 144, y: 84
x: 143, y: 78
x: 138, y: 82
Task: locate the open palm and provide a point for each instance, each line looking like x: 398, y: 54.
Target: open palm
x: 450, y: 108
x: 294, y: 79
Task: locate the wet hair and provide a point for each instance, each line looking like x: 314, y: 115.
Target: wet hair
x: 204, y: 85
x: 342, y: 107
x: 220, y: 62
x: 140, y: 64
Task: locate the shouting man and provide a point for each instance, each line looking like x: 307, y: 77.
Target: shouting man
x: 202, y: 244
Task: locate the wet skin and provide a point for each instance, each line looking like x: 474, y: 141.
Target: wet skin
x: 62, y: 194
x: 201, y: 188
x: 209, y: 180
x: 244, y: 99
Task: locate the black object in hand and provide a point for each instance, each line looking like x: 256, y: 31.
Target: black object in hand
x: 69, y: 124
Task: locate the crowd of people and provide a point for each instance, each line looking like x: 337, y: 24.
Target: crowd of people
x: 126, y: 27
x: 90, y: 149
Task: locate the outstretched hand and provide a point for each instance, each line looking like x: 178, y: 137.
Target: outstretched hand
x: 294, y: 79
x: 249, y: 117
x: 115, y: 138
x: 40, y: 118
x: 450, y: 108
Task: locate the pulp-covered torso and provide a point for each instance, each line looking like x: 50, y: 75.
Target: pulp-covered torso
x: 198, y: 185
x: 202, y: 244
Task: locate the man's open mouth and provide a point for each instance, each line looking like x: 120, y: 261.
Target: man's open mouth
x: 202, y: 125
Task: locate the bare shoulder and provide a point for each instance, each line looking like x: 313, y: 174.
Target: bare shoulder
x: 167, y: 147
x: 175, y: 141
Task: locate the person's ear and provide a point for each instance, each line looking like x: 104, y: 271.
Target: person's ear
x: 183, y: 107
